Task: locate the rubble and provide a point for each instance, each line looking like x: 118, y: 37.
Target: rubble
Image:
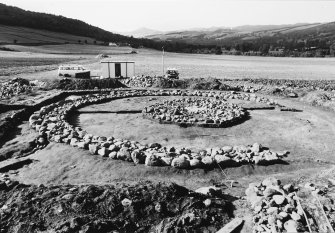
x: 289, y: 208
x: 14, y: 87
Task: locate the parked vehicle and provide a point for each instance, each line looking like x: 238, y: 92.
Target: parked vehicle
x: 73, y: 71
x: 172, y: 73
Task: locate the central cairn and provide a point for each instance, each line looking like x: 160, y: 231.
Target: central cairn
x: 202, y: 112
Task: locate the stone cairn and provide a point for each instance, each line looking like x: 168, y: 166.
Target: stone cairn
x: 51, y: 121
x: 204, y: 112
x: 276, y: 207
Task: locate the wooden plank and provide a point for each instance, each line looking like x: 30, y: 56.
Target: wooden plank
x: 231, y: 226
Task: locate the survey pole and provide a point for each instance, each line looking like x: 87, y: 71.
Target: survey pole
x: 163, y: 62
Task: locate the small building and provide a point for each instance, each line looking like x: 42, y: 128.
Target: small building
x: 118, y: 69
x: 111, y: 44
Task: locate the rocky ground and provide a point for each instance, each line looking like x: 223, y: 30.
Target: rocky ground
x: 144, y: 207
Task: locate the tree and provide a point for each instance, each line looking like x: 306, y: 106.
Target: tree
x: 218, y: 50
x: 265, y: 48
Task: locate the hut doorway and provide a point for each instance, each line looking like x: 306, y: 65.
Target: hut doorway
x: 117, y: 70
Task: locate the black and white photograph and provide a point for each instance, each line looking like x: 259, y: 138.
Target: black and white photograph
x: 167, y: 116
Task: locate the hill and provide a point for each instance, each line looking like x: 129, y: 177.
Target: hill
x: 24, y: 35
x: 317, y: 34
x: 14, y: 16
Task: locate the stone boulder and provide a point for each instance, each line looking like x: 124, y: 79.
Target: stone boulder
x: 166, y: 161
x: 224, y: 160
x: 227, y: 149
x: 82, y: 145
x: 93, y: 148
x: 138, y: 157
x: 103, y: 151
x: 73, y: 142
x: 195, y: 163
x: 152, y: 160
x: 180, y: 162
x: 113, y: 147
x: 155, y: 145
x: 270, y: 181
x: 256, y: 148
x: 58, y: 138
x: 207, y: 161
x: 124, y: 154
x: 113, y: 155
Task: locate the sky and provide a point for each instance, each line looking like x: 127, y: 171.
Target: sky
x: 169, y: 15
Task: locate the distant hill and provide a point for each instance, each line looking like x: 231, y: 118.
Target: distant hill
x: 253, y: 34
x: 141, y: 32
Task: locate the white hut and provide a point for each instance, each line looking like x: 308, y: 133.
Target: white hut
x: 117, y: 69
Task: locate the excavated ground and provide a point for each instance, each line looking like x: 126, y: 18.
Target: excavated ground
x: 301, y: 133
x: 308, y: 135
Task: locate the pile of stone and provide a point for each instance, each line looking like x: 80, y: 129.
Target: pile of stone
x: 14, y: 87
x: 193, y: 83
x: 204, y: 112
x: 324, y: 99
x: 276, y: 207
x: 325, y: 85
x: 6, y: 183
x: 51, y: 121
x: 140, y: 81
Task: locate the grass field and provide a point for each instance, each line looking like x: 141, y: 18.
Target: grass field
x: 28, y: 35
x: 41, y: 62
x: 71, y: 49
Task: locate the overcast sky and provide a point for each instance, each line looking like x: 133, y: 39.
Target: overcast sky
x: 127, y: 15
